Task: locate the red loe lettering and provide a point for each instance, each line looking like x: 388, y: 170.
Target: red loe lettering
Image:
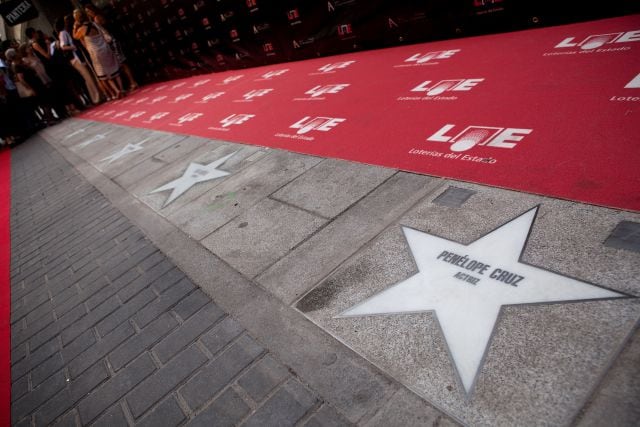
x: 634, y: 84
x: 344, y: 29
x: 324, y: 124
x: 480, y: 135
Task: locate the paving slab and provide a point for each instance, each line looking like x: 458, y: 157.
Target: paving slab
x: 262, y: 235
x: 342, y: 184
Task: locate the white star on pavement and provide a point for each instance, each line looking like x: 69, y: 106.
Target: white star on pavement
x: 74, y: 133
x: 94, y: 138
x: 194, y: 174
x: 466, y: 285
x: 129, y: 148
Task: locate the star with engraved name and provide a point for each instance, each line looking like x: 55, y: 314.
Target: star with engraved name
x: 465, y: 287
x: 127, y: 149
x: 194, y: 174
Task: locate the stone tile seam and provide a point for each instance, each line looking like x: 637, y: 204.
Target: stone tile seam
x: 196, y: 341
x: 310, y: 413
x: 194, y: 412
x: 599, y: 382
x: 370, y: 242
x: 328, y: 222
x: 88, y: 172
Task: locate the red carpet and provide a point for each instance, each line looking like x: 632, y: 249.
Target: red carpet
x: 552, y: 111
x: 5, y: 287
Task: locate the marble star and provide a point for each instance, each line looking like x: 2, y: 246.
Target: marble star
x: 93, y: 139
x: 194, y: 174
x: 74, y: 133
x: 129, y: 148
x: 466, y: 286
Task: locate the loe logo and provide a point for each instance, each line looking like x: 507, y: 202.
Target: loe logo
x: 480, y: 135
x: 158, y: 99
x: 231, y: 79
x: 182, y: 97
x: 157, y: 116
x: 209, y: 97
x: 323, y: 124
x: 160, y: 88
x: 200, y: 83
x: 256, y: 93
x: 321, y: 90
x: 634, y: 84
x: 177, y: 85
x: 330, y: 68
x: 275, y: 73
x: 235, y: 119
x: 189, y: 117
x: 141, y: 100
x: 599, y: 40
x: 446, y: 85
x: 136, y: 115
x: 420, y: 58
x: 120, y: 114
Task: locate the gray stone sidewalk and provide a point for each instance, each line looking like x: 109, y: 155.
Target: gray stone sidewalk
x: 298, y: 249
x: 107, y: 331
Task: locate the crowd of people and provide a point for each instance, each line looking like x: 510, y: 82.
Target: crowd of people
x: 48, y: 78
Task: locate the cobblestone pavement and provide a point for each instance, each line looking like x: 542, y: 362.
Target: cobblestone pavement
x: 106, y: 330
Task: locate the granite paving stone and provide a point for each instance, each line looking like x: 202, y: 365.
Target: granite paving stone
x: 106, y: 329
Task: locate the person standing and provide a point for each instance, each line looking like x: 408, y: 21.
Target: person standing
x: 63, y: 26
x: 101, y: 22
x: 104, y: 61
